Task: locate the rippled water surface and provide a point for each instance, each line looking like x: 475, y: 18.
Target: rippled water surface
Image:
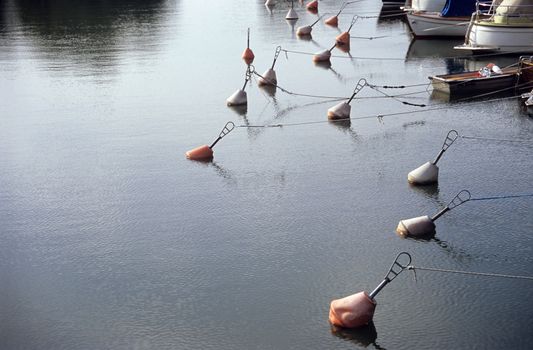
x: 111, y: 239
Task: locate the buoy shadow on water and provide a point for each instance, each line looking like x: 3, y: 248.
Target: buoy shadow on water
x: 362, y: 336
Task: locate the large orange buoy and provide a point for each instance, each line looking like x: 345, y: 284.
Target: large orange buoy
x: 357, y: 310
x: 344, y: 38
x: 424, y: 226
x: 342, y: 110
x: 248, y: 55
x: 205, y: 152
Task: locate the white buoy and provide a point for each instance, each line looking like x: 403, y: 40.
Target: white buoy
x: 419, y: 226
x: 322, y: 56
x: 306, y: 30
x: 428, y: 173
x: 425, y: 174
x: 238, y: 98
x: 291, y: 14
x: 270, y: 2
x: 422, y: 226
x: 342, y: 110
x: 339, y: 111
x: 268, y: 78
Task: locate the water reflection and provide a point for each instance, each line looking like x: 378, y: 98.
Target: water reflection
x: 363, y: 336
x: 88, y: 38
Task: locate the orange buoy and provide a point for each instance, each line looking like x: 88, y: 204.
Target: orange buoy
x: 357, y: 310
x: 205, y: 152
x: 200, y: 153
x: 313, y: 5
x: 344, y: 38
x: 248, y: 55
x: 334, y: 20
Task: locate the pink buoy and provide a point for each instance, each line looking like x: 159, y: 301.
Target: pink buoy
x: 357, y: 310
x: 248, y: 55
x: 306, y: 30
x: 205, y: 152
x: 269, y: 77
x: 353, y: 311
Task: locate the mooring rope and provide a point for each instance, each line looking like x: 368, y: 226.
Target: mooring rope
x: 502, y: 197
x: 494, y: 139
x: 378, y: 116
x: 486, y: 274
x: 347, y: 97
x: 350, y: 57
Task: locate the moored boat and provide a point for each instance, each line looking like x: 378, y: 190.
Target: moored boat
x: 507, y: 28
x: 452, y: 21
x: 424, y: 5
x: 476, y: 82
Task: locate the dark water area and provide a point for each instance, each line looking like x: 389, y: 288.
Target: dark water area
x: 111, y: 239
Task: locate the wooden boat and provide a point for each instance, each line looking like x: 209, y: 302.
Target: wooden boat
x: 507, y: 28
x: 473, y: 83
x: 393, y: 3
x: 525, y: 70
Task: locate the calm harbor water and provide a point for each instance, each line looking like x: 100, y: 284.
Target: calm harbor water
x: 111, y: 239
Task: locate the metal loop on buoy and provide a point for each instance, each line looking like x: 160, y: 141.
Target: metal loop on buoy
x: 360, y: 85
x: 276, y: 54
x: 354, y: 19
x: 460, y: 198
x: 448, y: 141
x: 225, y: 130
x: 402, y: 262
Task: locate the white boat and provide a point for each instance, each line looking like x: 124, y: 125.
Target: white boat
x: 424, y: 5
x: 508, y: 28
x: 452, y: 21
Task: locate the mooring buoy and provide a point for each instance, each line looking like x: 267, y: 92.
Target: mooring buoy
x: 357, y: 310
x: 248, y: 55
x: 342, y: 110
x: 292, y: 12
x: 323, y: 56
x: 205, y: 152
x: 334, y: 20
x: 428, y: 173
x: 306, y: 30
x: 344, y: 38
x: 239, y: 97
x: 424, y: 225
x: 312, y: 6
x: 269, y: 77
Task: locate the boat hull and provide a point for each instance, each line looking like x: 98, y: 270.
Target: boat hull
x: 471, y: 84
x: 432, y: 25
x: 499, y: 37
